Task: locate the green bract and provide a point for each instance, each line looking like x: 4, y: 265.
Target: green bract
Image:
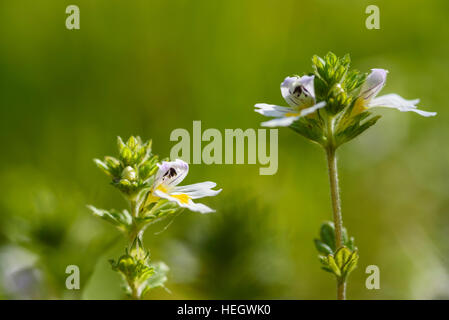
x: 139, y: 274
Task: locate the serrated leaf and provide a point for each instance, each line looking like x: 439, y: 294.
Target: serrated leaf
x: 333, y: 265
x: 342, y: 256
x: 351, y: 264
x: 346, y: 261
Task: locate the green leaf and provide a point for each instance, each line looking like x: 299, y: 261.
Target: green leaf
x: 327, y: 234
x: 132, y: 143
x: 342, y: 257
x: 322, y: 247
x: 350, y: 244
x: 351, y: 264
x: 309, y: 128
x: 103, y: 167
x: 158, y: 278
x: 126, y: 155
x: 341, y: 264
x: 121, y: 220
x: 346, y: 261
x: 145, y: 274
x: 327, y: 269
x: 160, y: 275
x: 354, y: 127
x: 148, y: 168
x: 120, y: 144
x: 330, y: 58
x: 333, y: 265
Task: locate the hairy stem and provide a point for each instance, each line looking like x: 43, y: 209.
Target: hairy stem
x: 335, y: 197
x: 336, y: 209
x: 134, y: 236
x: 134, y: 292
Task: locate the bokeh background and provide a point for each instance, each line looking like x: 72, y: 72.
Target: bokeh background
x: 148, y: 67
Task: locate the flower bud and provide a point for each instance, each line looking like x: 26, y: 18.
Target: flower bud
x: 126, y: 156
x: 132, y: 143
x: 129, y: 174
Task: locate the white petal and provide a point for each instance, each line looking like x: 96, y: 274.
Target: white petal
x: 423, y: 113
x: 393, y: 100
x: 198, y: 190
x: 298, y: 91
x: 307, y: 111
x: 373, y: 84
x: 285, y: 89
x: 287, y: 121
x: 397, y: 102
x: 280, y: 122
x: 271, y: 110
x: 171, y: 173
x: 308, y: 83
x: 199, y: 207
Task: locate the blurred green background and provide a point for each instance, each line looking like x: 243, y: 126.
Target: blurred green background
x: 148, y: 67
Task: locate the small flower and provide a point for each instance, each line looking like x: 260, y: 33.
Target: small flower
x: 372, y: 86
x: 299, y: 93
x: 170, y: 174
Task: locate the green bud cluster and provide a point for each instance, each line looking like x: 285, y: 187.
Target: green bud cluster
x: 339, y: 86
x: 339, y: 261
x: 134, y: 168
x: 139, y: 274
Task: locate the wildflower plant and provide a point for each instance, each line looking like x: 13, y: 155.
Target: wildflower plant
x: 331, y: 106
x: 152, y: 192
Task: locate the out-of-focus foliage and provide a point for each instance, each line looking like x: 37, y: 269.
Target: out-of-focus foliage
x: 148, y: 67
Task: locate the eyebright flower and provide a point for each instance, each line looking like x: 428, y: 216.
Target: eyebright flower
x: 170, y: 174
x: 299, y: 93
x: 372, y: 86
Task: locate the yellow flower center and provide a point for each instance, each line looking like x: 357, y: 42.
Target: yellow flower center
x: 292, y: 114
x: 181, y: 197
x: 359, y: 106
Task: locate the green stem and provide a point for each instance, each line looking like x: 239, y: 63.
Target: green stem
x: 335, y: 196
x: 134, y: 293
x: 134, y: 235
x: 336, y: 203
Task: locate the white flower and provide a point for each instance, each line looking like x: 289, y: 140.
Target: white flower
x: 299, y: 93
x: 372, y: 86
x: 168, y: 177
